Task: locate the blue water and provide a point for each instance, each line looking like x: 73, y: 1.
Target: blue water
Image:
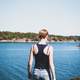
x: 14, y: 58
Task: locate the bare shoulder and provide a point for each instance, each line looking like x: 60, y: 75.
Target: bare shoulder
x: 50, y: 47
x: 50, y: 50
x: 35, y: 49
x: 34, y: 46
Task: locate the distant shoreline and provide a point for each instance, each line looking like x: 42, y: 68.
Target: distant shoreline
x: 6, y: 36
x: 33, y: 41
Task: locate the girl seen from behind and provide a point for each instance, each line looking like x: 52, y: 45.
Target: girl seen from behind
x: 42, y: 54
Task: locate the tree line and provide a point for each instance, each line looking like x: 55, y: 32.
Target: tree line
x: 6, y: 35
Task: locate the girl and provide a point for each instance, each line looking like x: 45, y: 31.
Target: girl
x: 43, y: 55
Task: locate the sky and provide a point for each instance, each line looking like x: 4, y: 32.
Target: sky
x: 59, y: 17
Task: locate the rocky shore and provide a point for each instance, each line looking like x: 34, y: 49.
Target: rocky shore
x: 30, y: 40
x: 76, y: 78
x: 18, y: 40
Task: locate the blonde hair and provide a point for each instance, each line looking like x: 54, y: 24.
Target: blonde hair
x: 43, y: 33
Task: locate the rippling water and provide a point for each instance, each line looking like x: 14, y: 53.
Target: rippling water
x: 14, y: 57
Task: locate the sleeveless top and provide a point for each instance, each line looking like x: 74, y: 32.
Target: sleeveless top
x: 41, y: 59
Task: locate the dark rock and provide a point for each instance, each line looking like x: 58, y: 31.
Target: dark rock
x: 77, y: 78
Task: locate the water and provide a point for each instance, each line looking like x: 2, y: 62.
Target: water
x: 14, y: 58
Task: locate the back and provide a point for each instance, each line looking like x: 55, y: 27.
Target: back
x: 41, y: 59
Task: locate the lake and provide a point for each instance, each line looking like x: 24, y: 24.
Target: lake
x: 14, y: 58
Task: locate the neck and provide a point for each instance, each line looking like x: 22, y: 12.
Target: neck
x: 43, y: 41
